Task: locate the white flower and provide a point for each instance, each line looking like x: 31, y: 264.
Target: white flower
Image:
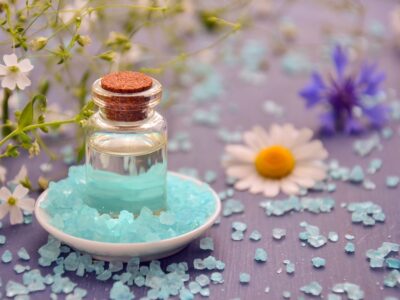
x: 22, y: 176
x: 3, y: 173
x: 283, y: 159
x: 14, y: 202
x: 14, y: 72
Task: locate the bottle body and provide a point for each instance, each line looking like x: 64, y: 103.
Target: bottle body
x: 126, y: 164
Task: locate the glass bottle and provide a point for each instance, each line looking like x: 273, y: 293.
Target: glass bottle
x: 126, y: 159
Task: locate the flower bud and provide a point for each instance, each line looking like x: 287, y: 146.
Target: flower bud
x: 38, y: 43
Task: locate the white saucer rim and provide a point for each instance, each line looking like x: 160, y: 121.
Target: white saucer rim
x: 42, y: 218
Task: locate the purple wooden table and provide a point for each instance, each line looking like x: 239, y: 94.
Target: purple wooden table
x: 205, y: 155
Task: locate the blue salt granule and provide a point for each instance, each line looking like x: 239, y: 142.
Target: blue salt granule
x: 6, y: 257
x: 239, y: 226
x: 367, y: 213
x: 2, y: 239
x: 313, y: 288
x: 210, y: 176
x: 353, y: 291
x: 244, y: 278
x: 295, y: 63
x: 115, y: 266
x: 205, y: 292
x: 278, y: 233
x: 366, y: 146
x: 194, y: 287
x: 23, y: 254
x: 14, y: 289
x: 393, y: 263
x: 207, y: 244
x: 290, y: 266
x: 255, y: 235
x: 120, y: 291
x: 253, y: 55
x: 312, y: 235
x: 78, y: 294
x: 349, y: 237
x: 387, y: 133
x: 203, y: 280
x: 286, y: 295
x: 350, y: 248
x: 33, y: 280
x: 237, y: 235
x: 62, y: 285
x: 377, y: 257
x: 333, y: 236
x: 49, y: 252
x: 260, y: 255
x: 392, y: 181
x: 189, y: 206
x: 217, y: 277
x: 232, y: 206
x: 20, y: 268
x: 356, y: 175
x: 229, y: 136
x: 185, y: 294
x: 318, y: 262
x: 375, y: 165
x: 272, y: 108
x: 333, y: 297
x: 392, y: 279
x: 209, y: 118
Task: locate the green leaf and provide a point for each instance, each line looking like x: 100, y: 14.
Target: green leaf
x: 27, y: 115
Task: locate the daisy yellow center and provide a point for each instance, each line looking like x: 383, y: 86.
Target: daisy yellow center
x: 275, y: 162
x: 11, y: 201
x: 13, y: 69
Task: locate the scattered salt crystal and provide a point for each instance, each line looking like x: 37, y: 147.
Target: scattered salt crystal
x: 237, y: 235
x: 375, y: 165
x: 290, y: 267
x: 318, y: 262
x: 392, y: 181
x: 23, y: 254
x: 6, y: 257
x: 207, y: 244
x: 239, y: 226
x: 353, y: 291
x: 286, y: 295
x: 14, y: 289
x: 392, y: 279
x: 205, y: 292
x: 244, y: 278
x: 120, y: 291
x: 232, y: 206
x: 194, y: 287
x: 203, y: 280
x: 278, y: 233
x: 350, y: 248
x: 255, y: 235
x: 313, y: 288
x: 356, y: 175
x: 393, y: 263
x: 260, y: 255
x: 333, y: 236
x: 216, y: 277
x: 349, y: 237
x: 2, y: 239
x: 367, y: 213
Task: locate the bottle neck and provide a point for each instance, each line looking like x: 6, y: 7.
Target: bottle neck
x: 126, y: 116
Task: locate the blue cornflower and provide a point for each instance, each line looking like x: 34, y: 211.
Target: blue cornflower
x: 349, y: 97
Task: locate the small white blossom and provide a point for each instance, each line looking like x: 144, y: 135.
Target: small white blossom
x: 20, y: 177
x: 13, y: 203
x: 14, y: 73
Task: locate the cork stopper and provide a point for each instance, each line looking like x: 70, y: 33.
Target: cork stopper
x: 126, y: 96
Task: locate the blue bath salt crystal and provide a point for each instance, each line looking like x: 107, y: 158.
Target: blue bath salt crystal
x: 237, y: 235
x: 207, y: 244
x: 260, y: 255
x: 232, y: 206
x: 353, y: 291
x: 286, y: 295
x: 349, y: 237
x: 198, y: 264
x: 115, y: 266
x: 393, y: 263
x: 203, y: 280
x: 120, y: 291
x: 239, y: 226
x: 333, y: 297
x: 375, y: 165
x: 392, y: 181
x: 6, y: 257
x: 185, y: 294
x: 333, y: 236
x: 190, y: 204
x: 278, y: 233
x: 255, y: 235
x: 23, y: 254
x: 2, y: 239
x: 33, y: 280
x: 14, y: 289
x: 392, y: 279
x: 194, y: 287
x: 104, y: 276
x: 356, y: 175
x: 313, y: 288
x: 205, y: 292
x: 244, y: 278
x: 20, y: 268
x: 367, y: 213
x: 350, y: 248
x: 210, y: 176
x: 290, y: 266
x: 217, y: 277
x: 318, y: 262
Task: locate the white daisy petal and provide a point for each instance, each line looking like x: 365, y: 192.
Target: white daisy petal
x: 10, y: 60
x: 275, y: 134
x: 257, y: 185
x: 262, y: 135
x: 4, y: 209
x: 304, y: 135
x: 289, y: 187
x: 27, y: 204
x: 25, y: 65
x: 252, y: 140
x: 313, y: 150
x: 271, y: 188
x: 23, y: 81
x: 303, y: 181
x: 245, y: 183
x: 311, y: 172
x: 9, y: 82
x: 3, y: 70
x: 20, y: 192
x: 241, y: 153
x: 240, y: 171
x: 16, y: 216
x: 5, y: 193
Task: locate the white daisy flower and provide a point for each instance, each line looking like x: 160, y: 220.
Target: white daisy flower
x: 283, y: 159
x: 14, y: 202
x: 15, y: 73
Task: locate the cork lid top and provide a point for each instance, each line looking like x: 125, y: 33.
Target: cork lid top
x: 126, y: 82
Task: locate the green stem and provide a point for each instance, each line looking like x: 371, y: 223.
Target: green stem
x: 6, y: 113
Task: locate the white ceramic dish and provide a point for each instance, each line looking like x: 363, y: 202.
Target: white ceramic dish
x: 124, y: 251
